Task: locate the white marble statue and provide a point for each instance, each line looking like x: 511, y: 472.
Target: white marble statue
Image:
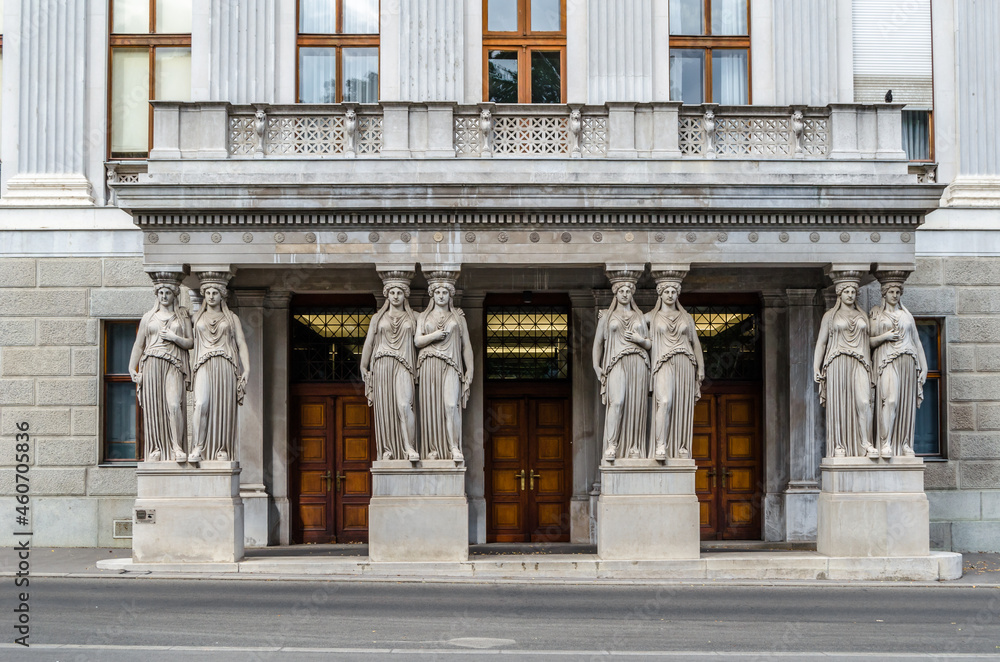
x: 388, y: 367
x: 900, y: 368
x: 221, y: 367
x: 444, y: 371
x: 160, y: 368
x: 842, y: 368
x: 621, y: 360
x: 678, y: 369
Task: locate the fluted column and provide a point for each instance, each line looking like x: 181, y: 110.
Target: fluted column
x: 975, y: 105
x: 238, y: 39
x: 812, y: 52
x: 431, y: 51
x: 805, y: 418
x: 621, y: 38
x: 45, y: 103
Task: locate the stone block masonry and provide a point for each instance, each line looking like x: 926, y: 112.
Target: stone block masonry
x: 51, y: 311
x: 964, y: 487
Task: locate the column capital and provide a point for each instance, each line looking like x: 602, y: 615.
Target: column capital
x: 250, y: 298
x: 774, y: 298
x: 582, y: 299
x: 801, y: 297
x: 278, y: 298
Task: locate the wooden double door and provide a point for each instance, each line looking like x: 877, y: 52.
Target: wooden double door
x: 727, y: 448
x: 528, y: 464
x: 333, y: 443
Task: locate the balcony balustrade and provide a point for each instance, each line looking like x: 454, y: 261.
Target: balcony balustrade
x: 449, y: 130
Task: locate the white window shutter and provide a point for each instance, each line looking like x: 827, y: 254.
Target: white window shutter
x: 892, y: 51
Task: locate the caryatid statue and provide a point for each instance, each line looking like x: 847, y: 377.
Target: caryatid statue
x: 621, y: 361
x: 221, y: 368
x: 160, y: 367
x: 842, y: 367
x: 900, y: 368
x: 388, y: 366
x: 678, y: 369
x: 444, y: 370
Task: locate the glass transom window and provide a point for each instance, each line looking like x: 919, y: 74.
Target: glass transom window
x: 527, y: 342
x: 327, y: 342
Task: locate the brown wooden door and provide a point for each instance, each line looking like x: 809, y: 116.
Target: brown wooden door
x: 333, y: 443
x: 527, y: 468
x: 729, y: 482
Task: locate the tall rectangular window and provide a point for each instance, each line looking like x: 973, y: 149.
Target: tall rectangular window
x: 338, y: 51
x: 927, y: 436
x: 524, y: 49
x: 150, y: 59
x: 122, y: 432
x: 892, y: 52
x: 710, y: 51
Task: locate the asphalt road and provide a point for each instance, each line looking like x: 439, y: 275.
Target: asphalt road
x: 152, y: 620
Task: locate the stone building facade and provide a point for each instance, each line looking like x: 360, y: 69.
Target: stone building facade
x: 790, y: 170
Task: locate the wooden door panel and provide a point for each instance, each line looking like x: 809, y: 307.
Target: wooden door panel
x: 704, y: 452
x: 355, y: 448
x: 530, y: 434
x: 505, y: 430
x: 311, y: 432
x: 506, y: 448
x: 741, y: 462
x: 506, y: 482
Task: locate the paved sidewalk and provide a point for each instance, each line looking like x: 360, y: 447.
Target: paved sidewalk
x: 979, y: 569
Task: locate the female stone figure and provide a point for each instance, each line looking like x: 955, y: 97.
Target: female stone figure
x: 900, y: 369
x: 388, y: 363
x: 678, y: 371
x: 621, y: 360
x: 444, y: 371
x: 221, y: 368
x: 843, y: 370
x: 162, y: 373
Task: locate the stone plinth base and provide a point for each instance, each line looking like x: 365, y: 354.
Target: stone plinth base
x: 648, y: 511
x: 187, y: 514
x: 418, y: 513
x: 873, y: 508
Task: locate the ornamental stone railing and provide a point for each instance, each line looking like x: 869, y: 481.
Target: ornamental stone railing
x: 486, y: 130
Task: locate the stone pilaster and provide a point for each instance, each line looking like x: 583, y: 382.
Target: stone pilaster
x: 776, y: 413
x: 249, y: 306
x: 805, y: 420
x: 586, y: 408
x: 472, y: 421
x: 275, y: 372
x: 45, y: 154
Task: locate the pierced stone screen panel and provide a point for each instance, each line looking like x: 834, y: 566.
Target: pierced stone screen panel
x: 730, y: 338
x: 527, y: 342
x: 327, y: 342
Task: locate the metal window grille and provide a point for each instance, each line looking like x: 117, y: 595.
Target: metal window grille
x: 327, y: 342
x: 730, y: 339
x: 527, y: 342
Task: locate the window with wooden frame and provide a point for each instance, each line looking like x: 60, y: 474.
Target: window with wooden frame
x: 524, y: 51
x: 122, y: 427
x: 928, y: 433
x: 338, y: 51
x: 150, y: 59
x: 710, y: 51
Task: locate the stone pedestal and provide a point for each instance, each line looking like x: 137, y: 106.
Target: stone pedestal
x: 873, y: 507
x: 187, y: 514
x: 648, y: 511
x: 418, y: 513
